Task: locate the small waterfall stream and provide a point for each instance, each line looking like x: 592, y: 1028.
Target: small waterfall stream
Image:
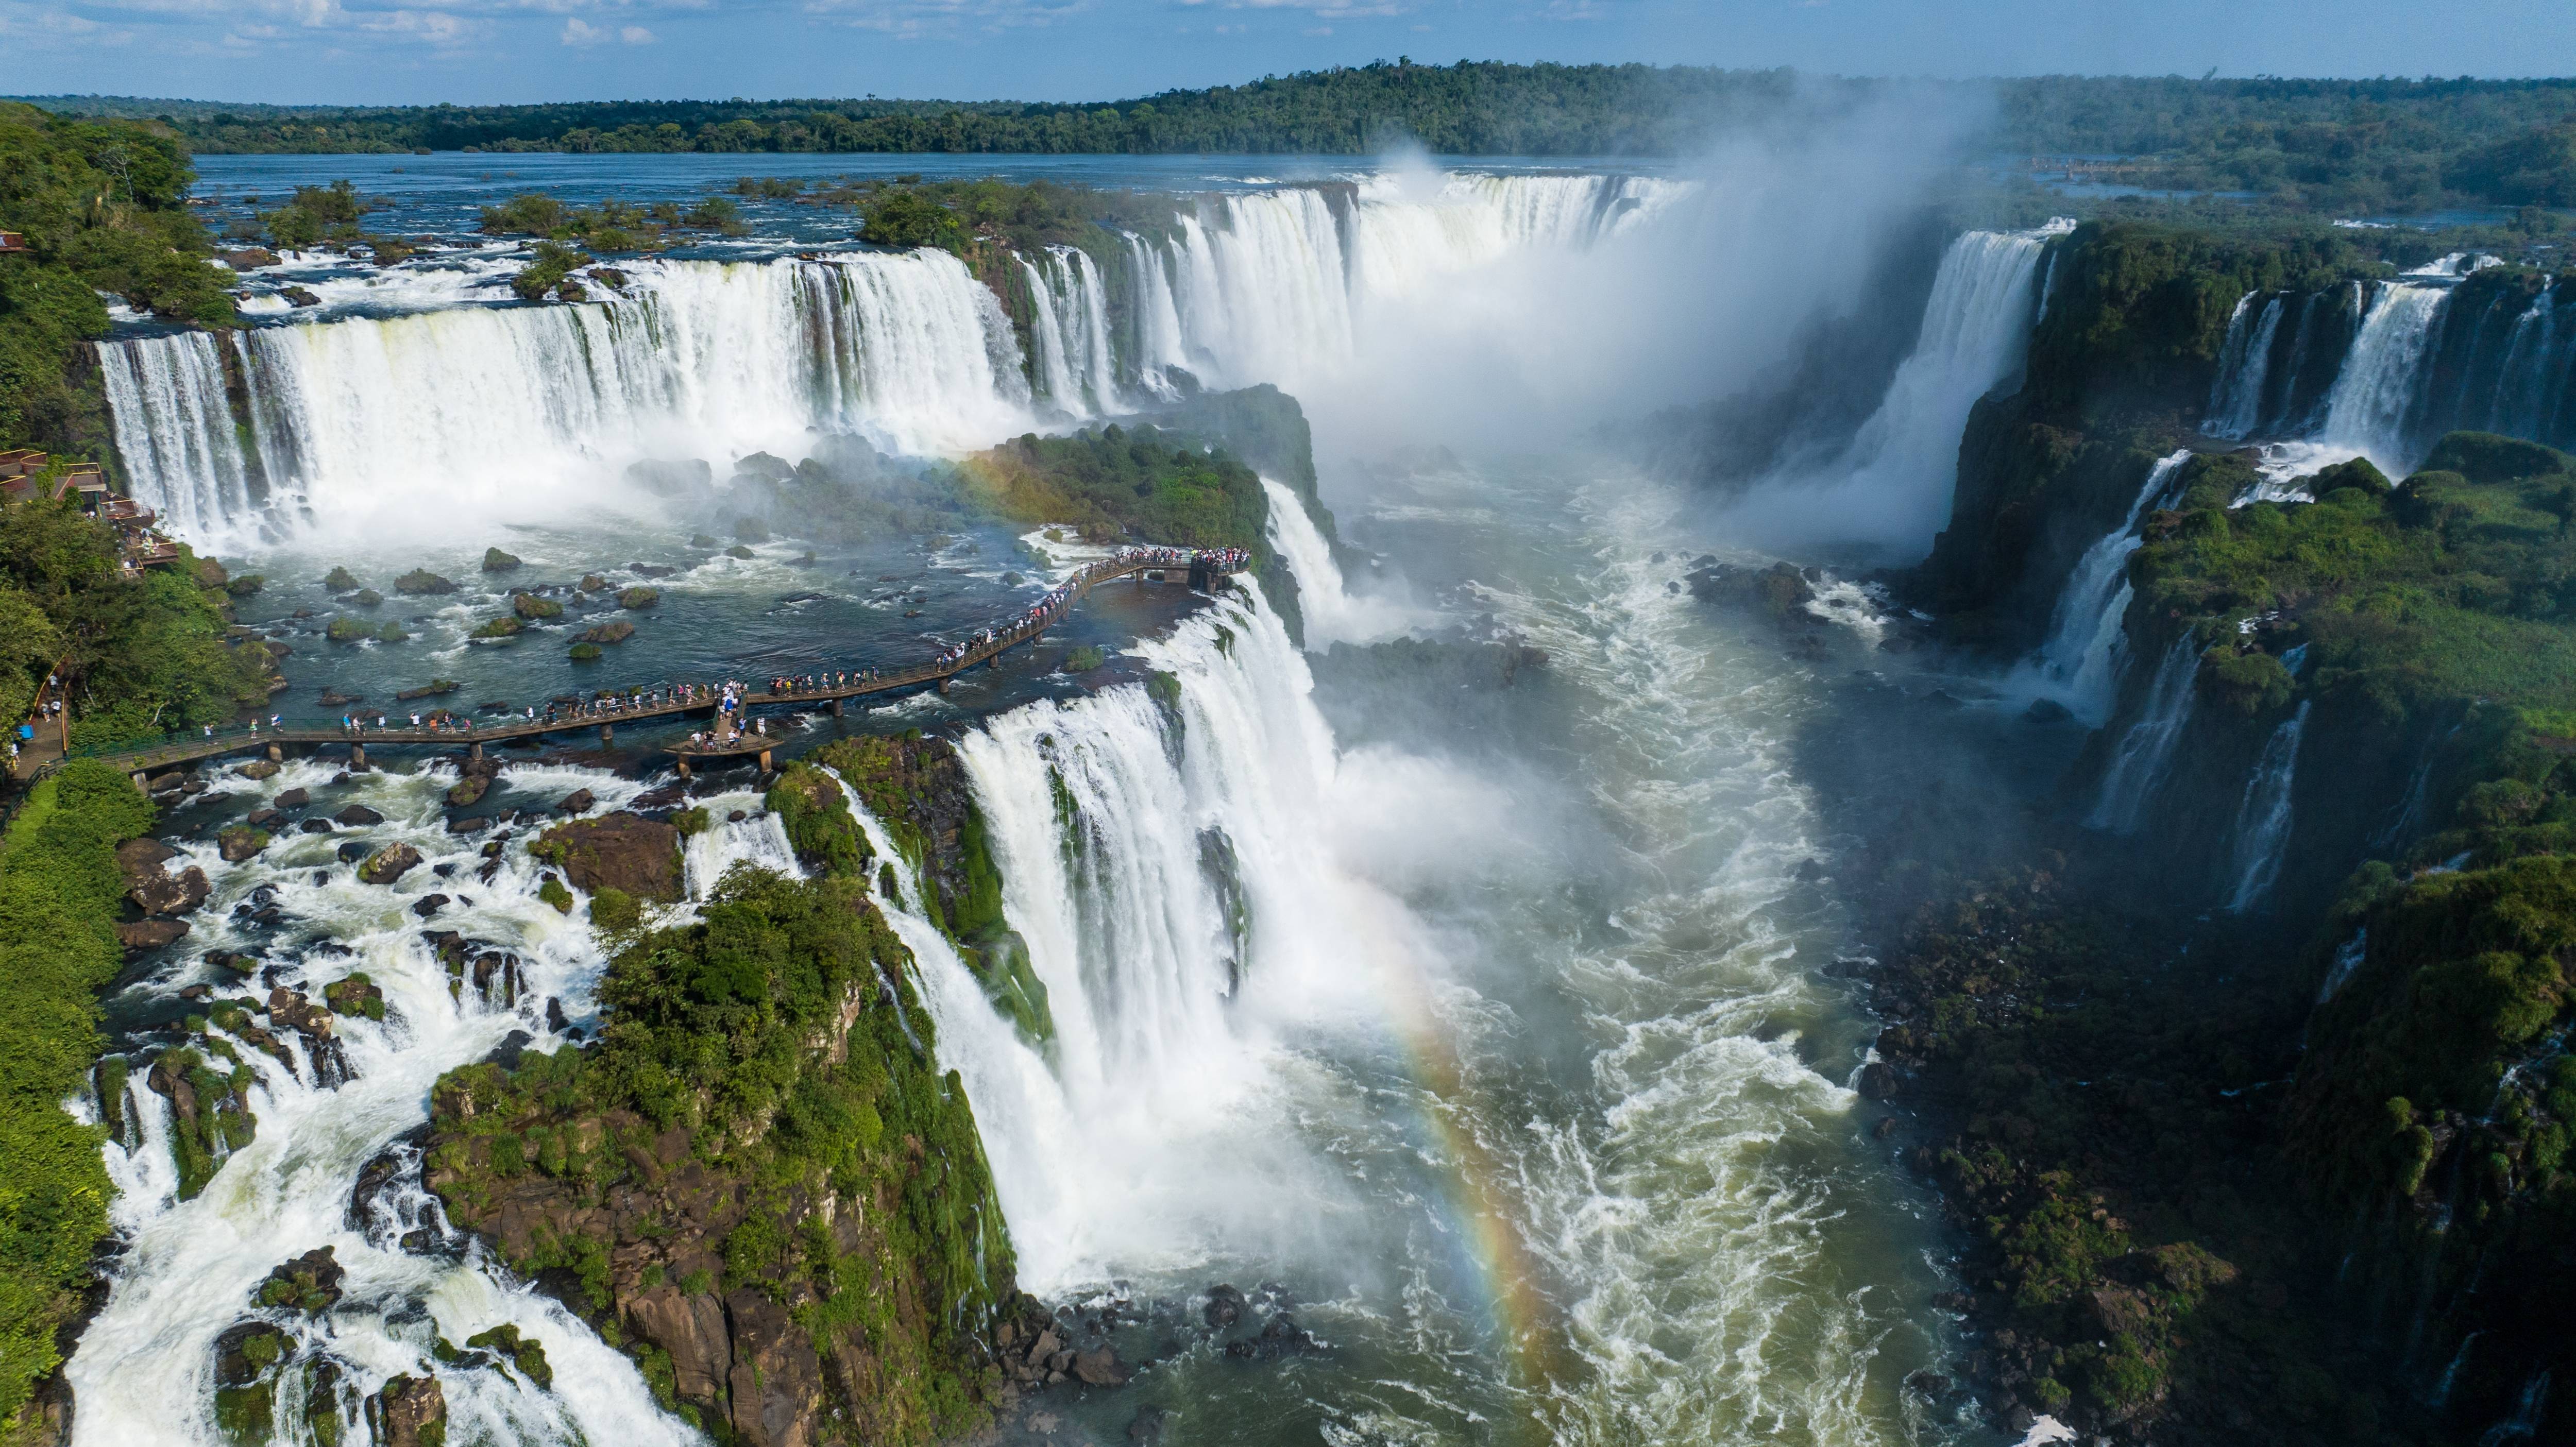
x: 2081, y: 656
x: 2262, y: 838
x: 2138, y: 763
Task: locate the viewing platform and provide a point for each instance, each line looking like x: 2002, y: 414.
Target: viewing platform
x: 1203, y: 571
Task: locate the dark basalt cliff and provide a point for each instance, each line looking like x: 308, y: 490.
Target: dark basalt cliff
x: 2291, y: 1163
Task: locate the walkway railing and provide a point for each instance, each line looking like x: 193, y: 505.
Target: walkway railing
x: 604, y: 714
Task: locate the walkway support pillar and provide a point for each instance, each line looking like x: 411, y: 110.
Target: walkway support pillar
x: 764, y: 761
x: 836, y: 707
x: 607, y: 734
x: 683, y: 761
x: 358, y: 756
x: 474, y: 753
x: 276, y: 753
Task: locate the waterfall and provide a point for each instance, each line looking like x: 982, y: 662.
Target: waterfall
x: 1161, y: 860
x: 2263, y: 818
x: 1074, y: 364
x: 2138, y: 764
x: 1155, y: 317
x: 2244, y: 365
x: 174, y: 430
x: 2081, y: 655
x: 2375, y: 393
x: 455, y: 413
x: 1902, y: 467
x: 1276, y: 285
x: 1332, y: 614
x: 189, y: 1269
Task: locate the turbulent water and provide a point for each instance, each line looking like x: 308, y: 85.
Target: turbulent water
x: 1486, y: 1016
x: 143, y: 1373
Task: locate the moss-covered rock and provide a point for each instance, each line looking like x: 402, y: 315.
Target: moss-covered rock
x: 497, y: 561
x: 638, y: 597
x: 534, y: 608
x: 503, y: 627
x: 620, y: 851
x: 421, y: 581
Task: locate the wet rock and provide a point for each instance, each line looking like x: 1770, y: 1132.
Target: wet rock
x: 429, y: 904
x: 469, y: 790
x: 310, y: 1283
x: 258, y: 769
x: 1147, y: 1425
x: 1885, y: 1128
x: 193, y: 787
x: 239, y: 964
x: 290, y: 1010
x: 1225, y: 1307
x: 320, y: 826
x: 523, y: 1352
x: 353, y: 851
x: 555, y: 1018
x: 616, y: 851
x: 579, y: 801
x: 409, y: 1412
x: 1282, y: 1337
x: 1100, y: 1367
x: 357, y: 816
x: 468, y: 825
x: 264, y: 818
x: 239, y: 843
x: 389, y: 864
x: 155, y: 892
x: 1878, y: 1081
x: 2047, y: 711
x: 512, y: 1047
x: 443, y: 868
x: 150, y: 934
x: 497, y: 561
x: 293, y: 798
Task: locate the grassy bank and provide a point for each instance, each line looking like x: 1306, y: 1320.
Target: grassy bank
x: 60, y: 892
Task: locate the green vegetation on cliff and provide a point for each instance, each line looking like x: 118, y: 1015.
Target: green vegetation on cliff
x: 1115, y: 481
x: 60, y: 891
x: 140, y: 655
x: 786, y: 1162
x: 102, y: 207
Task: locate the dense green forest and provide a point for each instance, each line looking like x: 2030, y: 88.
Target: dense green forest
x: 2388, y: 144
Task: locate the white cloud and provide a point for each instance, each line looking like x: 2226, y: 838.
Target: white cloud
x: 581, y: 34
x: 637, y: 35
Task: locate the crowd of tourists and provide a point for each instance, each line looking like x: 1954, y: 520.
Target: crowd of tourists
x: 728, y: 697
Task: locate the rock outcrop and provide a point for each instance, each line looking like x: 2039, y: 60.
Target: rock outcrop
x: 618, y: 851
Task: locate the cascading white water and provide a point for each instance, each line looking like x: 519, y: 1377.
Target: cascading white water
x: 174, y: 430
x: 2138, y: 764
x: 1331, y: 614
x: 1271, y: 286
x: 1893, y: 482
x: 1109, y: 818
x: 1155, y: 345
x: 2244, y: 366
x: 2368, y: 407
x: 2081, y: 656
x: 1074, y: 365
x: 143, y: 1374
x: 471, y: 411
x: 2524, y: 404
x: 2263, y: 818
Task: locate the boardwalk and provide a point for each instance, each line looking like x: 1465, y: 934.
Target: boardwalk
x: 1200, y: 570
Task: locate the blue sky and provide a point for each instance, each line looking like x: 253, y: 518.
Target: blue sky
x: 406, y: 51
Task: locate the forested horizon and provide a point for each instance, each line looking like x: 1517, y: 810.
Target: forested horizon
x: 2388, y: 143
